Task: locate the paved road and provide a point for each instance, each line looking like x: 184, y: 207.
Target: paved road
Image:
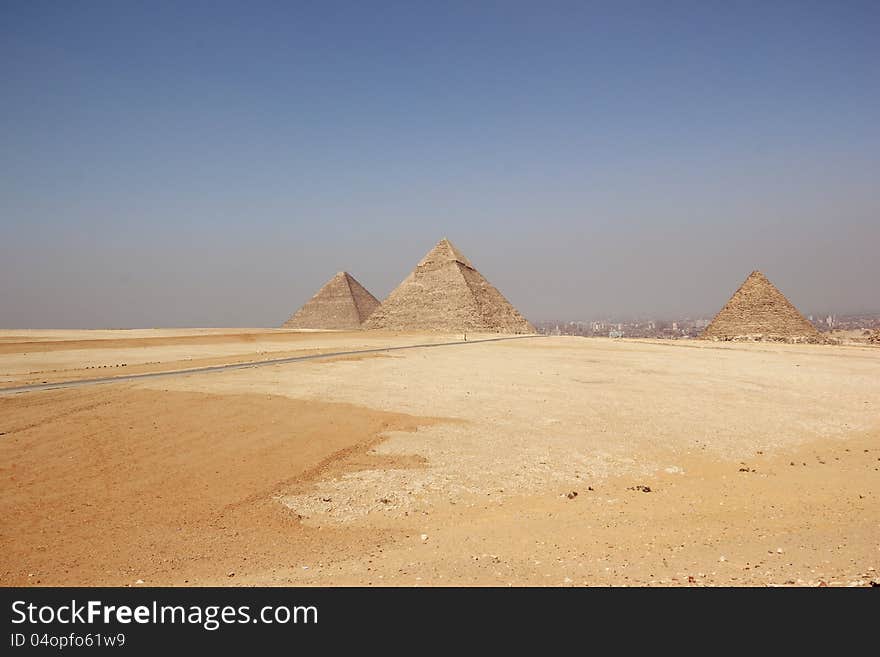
x: 238, y: 366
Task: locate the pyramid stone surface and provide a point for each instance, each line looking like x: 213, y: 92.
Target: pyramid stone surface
x: 758, y: 311
x: 445, y: 293
x: 342, y: 303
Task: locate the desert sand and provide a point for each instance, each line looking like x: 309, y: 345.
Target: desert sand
x: 535, y: 461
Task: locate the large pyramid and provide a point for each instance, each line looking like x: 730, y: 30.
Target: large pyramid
x: 445, y: 293
x: 342, y: 303
x: 758, y: 311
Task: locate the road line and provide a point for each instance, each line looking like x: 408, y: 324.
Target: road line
x: 35, y: 387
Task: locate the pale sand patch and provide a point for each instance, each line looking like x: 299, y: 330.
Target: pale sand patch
x: 551, y: 412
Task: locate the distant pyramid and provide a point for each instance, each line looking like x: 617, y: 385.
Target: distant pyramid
x: 758, y: 311
x: 342, y: 303
x: 445, y: 293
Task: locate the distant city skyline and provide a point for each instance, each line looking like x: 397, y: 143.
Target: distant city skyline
x: 166, y: 165
x: 819, y: 318
x: 861, y: 324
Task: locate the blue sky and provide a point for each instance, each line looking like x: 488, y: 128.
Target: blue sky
x: 180, y: 164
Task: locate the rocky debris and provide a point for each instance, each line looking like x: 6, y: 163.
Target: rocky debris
x: 757, y: 311
x: 640, y: 487
x: 342, y: 303
x: 446, y: 293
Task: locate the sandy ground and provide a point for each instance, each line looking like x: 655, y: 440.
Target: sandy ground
x: 43, y: 356
x: 546, y: 461
x: 850, y: 336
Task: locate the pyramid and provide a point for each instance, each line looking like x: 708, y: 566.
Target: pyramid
x: 342, y: 303
x: 758, y: 311
x: 445, y: 293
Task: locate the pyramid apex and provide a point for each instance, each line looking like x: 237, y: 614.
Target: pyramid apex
x: 444, y: 252
x: 757, y: 276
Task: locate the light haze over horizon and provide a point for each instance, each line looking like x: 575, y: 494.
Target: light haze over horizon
x: 214, y: 164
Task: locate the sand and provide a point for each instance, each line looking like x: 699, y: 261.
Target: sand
x: 445, y: 466
x: 48, y: 356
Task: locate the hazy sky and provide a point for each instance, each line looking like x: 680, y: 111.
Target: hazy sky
x: 212, y: 164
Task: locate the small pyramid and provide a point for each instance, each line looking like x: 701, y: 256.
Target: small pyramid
x: 342, y: 303
x: 446, y: 293
x: 758, y: 311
